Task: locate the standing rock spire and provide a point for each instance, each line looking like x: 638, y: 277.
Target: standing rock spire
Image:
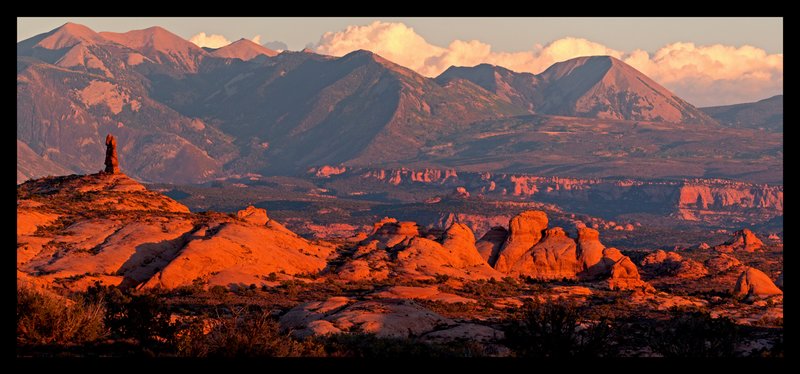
x: 112, y: 163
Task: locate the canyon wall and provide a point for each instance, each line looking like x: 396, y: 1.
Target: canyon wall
x: 711, y: 200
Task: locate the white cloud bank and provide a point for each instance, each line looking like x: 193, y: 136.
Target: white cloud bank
x: 210, y: 41
x: 703, y: 75
x: 215, y: 40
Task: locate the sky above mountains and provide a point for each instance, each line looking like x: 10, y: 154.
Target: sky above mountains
x: 708, y: 61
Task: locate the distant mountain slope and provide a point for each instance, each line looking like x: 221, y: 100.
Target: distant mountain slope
x: 242, y: 49
x: 185, y: 114
x: 162, y: 47
x: 302, y: 109
x: 766, y: 114
x: 595, y: 87
x: 605, y: 87
x: 521, y: 89
x: 65, y: 110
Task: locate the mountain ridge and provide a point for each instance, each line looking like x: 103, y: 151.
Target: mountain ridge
x: 215, y: 116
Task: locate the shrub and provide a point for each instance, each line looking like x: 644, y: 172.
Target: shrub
x: 141, y: 316
x: 694, y: 334
x: 243, y: 334
x: 43, y: 319
x: 554, y: 330
x: 218, y: 290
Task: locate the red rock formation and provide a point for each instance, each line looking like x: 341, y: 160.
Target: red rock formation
x: 742, y: 240
x: 460, y: 193
x: 490, y: 244
x: 672, y: 264
x: 753, y: 283
x: 414, y: 256
x: 525, y: 230
x: 326, y: 171
x: 389, y: 232
x: 623, y: 274
x: 590, y: 253
x: 721, y: 263
x: 254, y: 215
x: 112, y: 163
x: 554, y: 257
x: 479, y: 224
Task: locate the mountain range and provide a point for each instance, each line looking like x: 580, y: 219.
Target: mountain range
x: 186, y: 114
x: 766, y: 114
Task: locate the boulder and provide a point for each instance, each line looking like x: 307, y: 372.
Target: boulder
x: 722, y: 263
x: 659, y: 257
x: 384, y: 317
x: 253, y: 215
x: 753, y: 283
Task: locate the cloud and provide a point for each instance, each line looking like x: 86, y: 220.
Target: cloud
x: 703, y: 75
x: 256, y: 39
x: 276, y: 46
x: 709, y: 75
x: 210, y: 41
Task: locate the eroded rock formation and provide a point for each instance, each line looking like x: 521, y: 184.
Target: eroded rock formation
x: 742, y: 240
x: 673, y: 264
x: 753, y: 283
x: 112, y: 162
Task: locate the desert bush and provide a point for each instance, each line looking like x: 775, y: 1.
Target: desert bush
x: 694, y: 334
x: 139, y: 315
x: 491, y: 288
x: 244, y: 333
x: 218, y: 290
x: 554, y: 329
x: 44, y: 319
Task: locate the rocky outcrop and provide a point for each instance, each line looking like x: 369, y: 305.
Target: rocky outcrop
x: 554, y: 257
x: 742, y: 240
x: 112, y: 163
x: 385, y: 318
x: 326, y: 171
x: 753, y: 284
x: 590, y: 253
x: 707, y: 200
x: 673, y: 264
x: 779, y: 281
x: 112, y: 229
x: 479, y: 224
x: 722, y: 263
x: 401, y: 249
x: 253, y: 215
x: 456, y: 256
x: 490, y: 244
x: 524, y: 231
x: 460, y: 193
x: 389, y: 232
x: 408, y: 176
x: 623, y: 274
